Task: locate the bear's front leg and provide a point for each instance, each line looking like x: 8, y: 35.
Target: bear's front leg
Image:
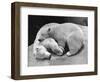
x: 59, y: 51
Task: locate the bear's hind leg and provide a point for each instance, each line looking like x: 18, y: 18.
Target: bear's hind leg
x: 75, y: 42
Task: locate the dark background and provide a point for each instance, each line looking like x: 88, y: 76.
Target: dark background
x: 35, y: 22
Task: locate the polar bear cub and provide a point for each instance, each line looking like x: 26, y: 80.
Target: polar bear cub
x: 51, y: 45
x: 44, y: 49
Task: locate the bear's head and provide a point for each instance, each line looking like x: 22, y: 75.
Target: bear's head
x: 42, y: 53
x: 43, y: 34
x: 45, y: 30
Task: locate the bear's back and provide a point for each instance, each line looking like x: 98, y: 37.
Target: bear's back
x: 66, y: 28
x: 63, y: 30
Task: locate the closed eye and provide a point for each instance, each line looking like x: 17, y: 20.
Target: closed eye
x: 40, y: 40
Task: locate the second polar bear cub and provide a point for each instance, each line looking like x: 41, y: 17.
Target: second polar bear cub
x: 45, y: 48
x: 51, y: 45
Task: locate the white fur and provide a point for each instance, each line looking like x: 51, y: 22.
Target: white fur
x: 52, y: 44
x: 41, y: 52
x: 42, y: 34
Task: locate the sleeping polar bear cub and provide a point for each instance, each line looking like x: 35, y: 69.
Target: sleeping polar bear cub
x: 45, y: 48
x: 51, y: 45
